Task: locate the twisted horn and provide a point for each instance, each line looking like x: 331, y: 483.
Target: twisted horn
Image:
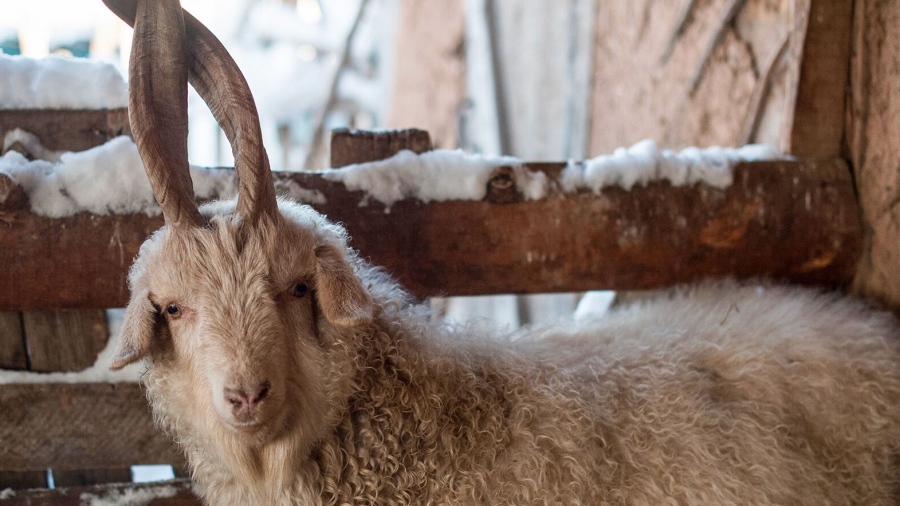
x: 158, y: 108
x: 219, y: 81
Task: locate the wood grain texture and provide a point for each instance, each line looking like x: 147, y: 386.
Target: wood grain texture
x: 79, y: 426
x: 170, y: 493
x: 354, y: 146
x: 874, y: 144
x: 822, y: 34
x: 430, y: 78
x: 780, y: 219
x: 13, y: 354
x: 64, y: 340
x: 68, y: 130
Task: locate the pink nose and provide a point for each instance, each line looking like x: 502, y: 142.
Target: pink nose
x: 246, y: 399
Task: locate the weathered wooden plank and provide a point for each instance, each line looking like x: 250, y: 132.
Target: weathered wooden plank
x: 84, y: 477
x: 13, y: 354
x: 780, y: 219
x: 21, y: 480
x: 349, y: 147
x: 170, y: 493
x: 874, y: 143
x: 69, y: 130
x: 820, y: 82
x: 79, y: 426
x: 64, y: 340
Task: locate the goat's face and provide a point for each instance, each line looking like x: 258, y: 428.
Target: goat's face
x: 233, y: 316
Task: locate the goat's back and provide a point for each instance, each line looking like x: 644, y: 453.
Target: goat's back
x: 752, y: 395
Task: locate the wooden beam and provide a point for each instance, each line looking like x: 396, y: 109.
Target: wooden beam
x: 780, y: 219
x: 79, y: 426
x: 169, y: 493
x: 69, y: 130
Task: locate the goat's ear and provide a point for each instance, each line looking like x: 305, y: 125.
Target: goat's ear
x: 137, y: 330
x: 343, y: 299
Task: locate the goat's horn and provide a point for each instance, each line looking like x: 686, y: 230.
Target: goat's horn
x: 219, y: 81
x: 158, y: 108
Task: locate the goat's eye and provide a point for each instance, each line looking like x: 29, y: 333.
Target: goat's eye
x: 299, y: 289
x: 173, y: 310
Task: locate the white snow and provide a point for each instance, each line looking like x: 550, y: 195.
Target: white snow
x: 7, y: 493
x: 58, y: 82
x: 594, y: 304
x: 437, y: 175
x: 97, y: 373
x: 31, y: 143
x: 644, y: 162
x: 136, y: 496
x: 108, y: 179
x: 297, y: 193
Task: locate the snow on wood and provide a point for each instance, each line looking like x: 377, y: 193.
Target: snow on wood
x: 438, y: 175
x: 443, y: 175
x: 98, y: 373
x: 108, y: 179
x: 58, y: 82
x: 644, y: 163
x: 135, y: 496
x: 176, y: 492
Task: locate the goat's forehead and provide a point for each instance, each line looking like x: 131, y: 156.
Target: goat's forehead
x: 226, y: 254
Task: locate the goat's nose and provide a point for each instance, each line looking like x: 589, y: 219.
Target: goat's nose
x: 247, y: 398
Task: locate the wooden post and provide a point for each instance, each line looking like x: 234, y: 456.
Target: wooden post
x: 874, y: 142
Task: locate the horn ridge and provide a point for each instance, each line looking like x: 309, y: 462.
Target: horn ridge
x: 158, y: 108
x: 219, y: 81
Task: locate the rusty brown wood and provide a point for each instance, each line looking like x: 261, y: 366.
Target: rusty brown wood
x: 353, y: 146
x: 64, y: 340
x: 780, y: 219
x: 170, y: 493
x: 69, y: 130
x: 13, y: 354
x: 79, y: 426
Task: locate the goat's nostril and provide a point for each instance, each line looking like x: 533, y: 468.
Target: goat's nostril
x: 237, y: 398
x: 263, y: 391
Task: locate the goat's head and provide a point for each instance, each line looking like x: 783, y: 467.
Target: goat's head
x: 234, y: 301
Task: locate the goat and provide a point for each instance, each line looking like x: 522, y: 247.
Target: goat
x: 291, y: 372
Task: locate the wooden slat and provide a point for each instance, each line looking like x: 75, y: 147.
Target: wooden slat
x: 171, y: 493
x: 65, y: 340
x: 13, y: 354
x: 781, y: 219
x: 68, y: 130
x: 85, y: 477
x: 21, y: 480
x: 820, y: 81
x: 79, y: 426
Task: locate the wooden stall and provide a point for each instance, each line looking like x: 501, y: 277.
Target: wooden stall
x: 825, y: 217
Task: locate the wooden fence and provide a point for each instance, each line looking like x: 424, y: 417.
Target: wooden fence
x: 796, y: 221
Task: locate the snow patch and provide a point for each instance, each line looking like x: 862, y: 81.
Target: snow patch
x: 137, y: 496
x: 31, y: 144
x: 7, y: 493
x: 58, y: 82
x: 644, y: 162
x: 594, y: 304
x: 297, y: 193
x: 107, y: 179
x: 97, y: 373
x: 437, y: 175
